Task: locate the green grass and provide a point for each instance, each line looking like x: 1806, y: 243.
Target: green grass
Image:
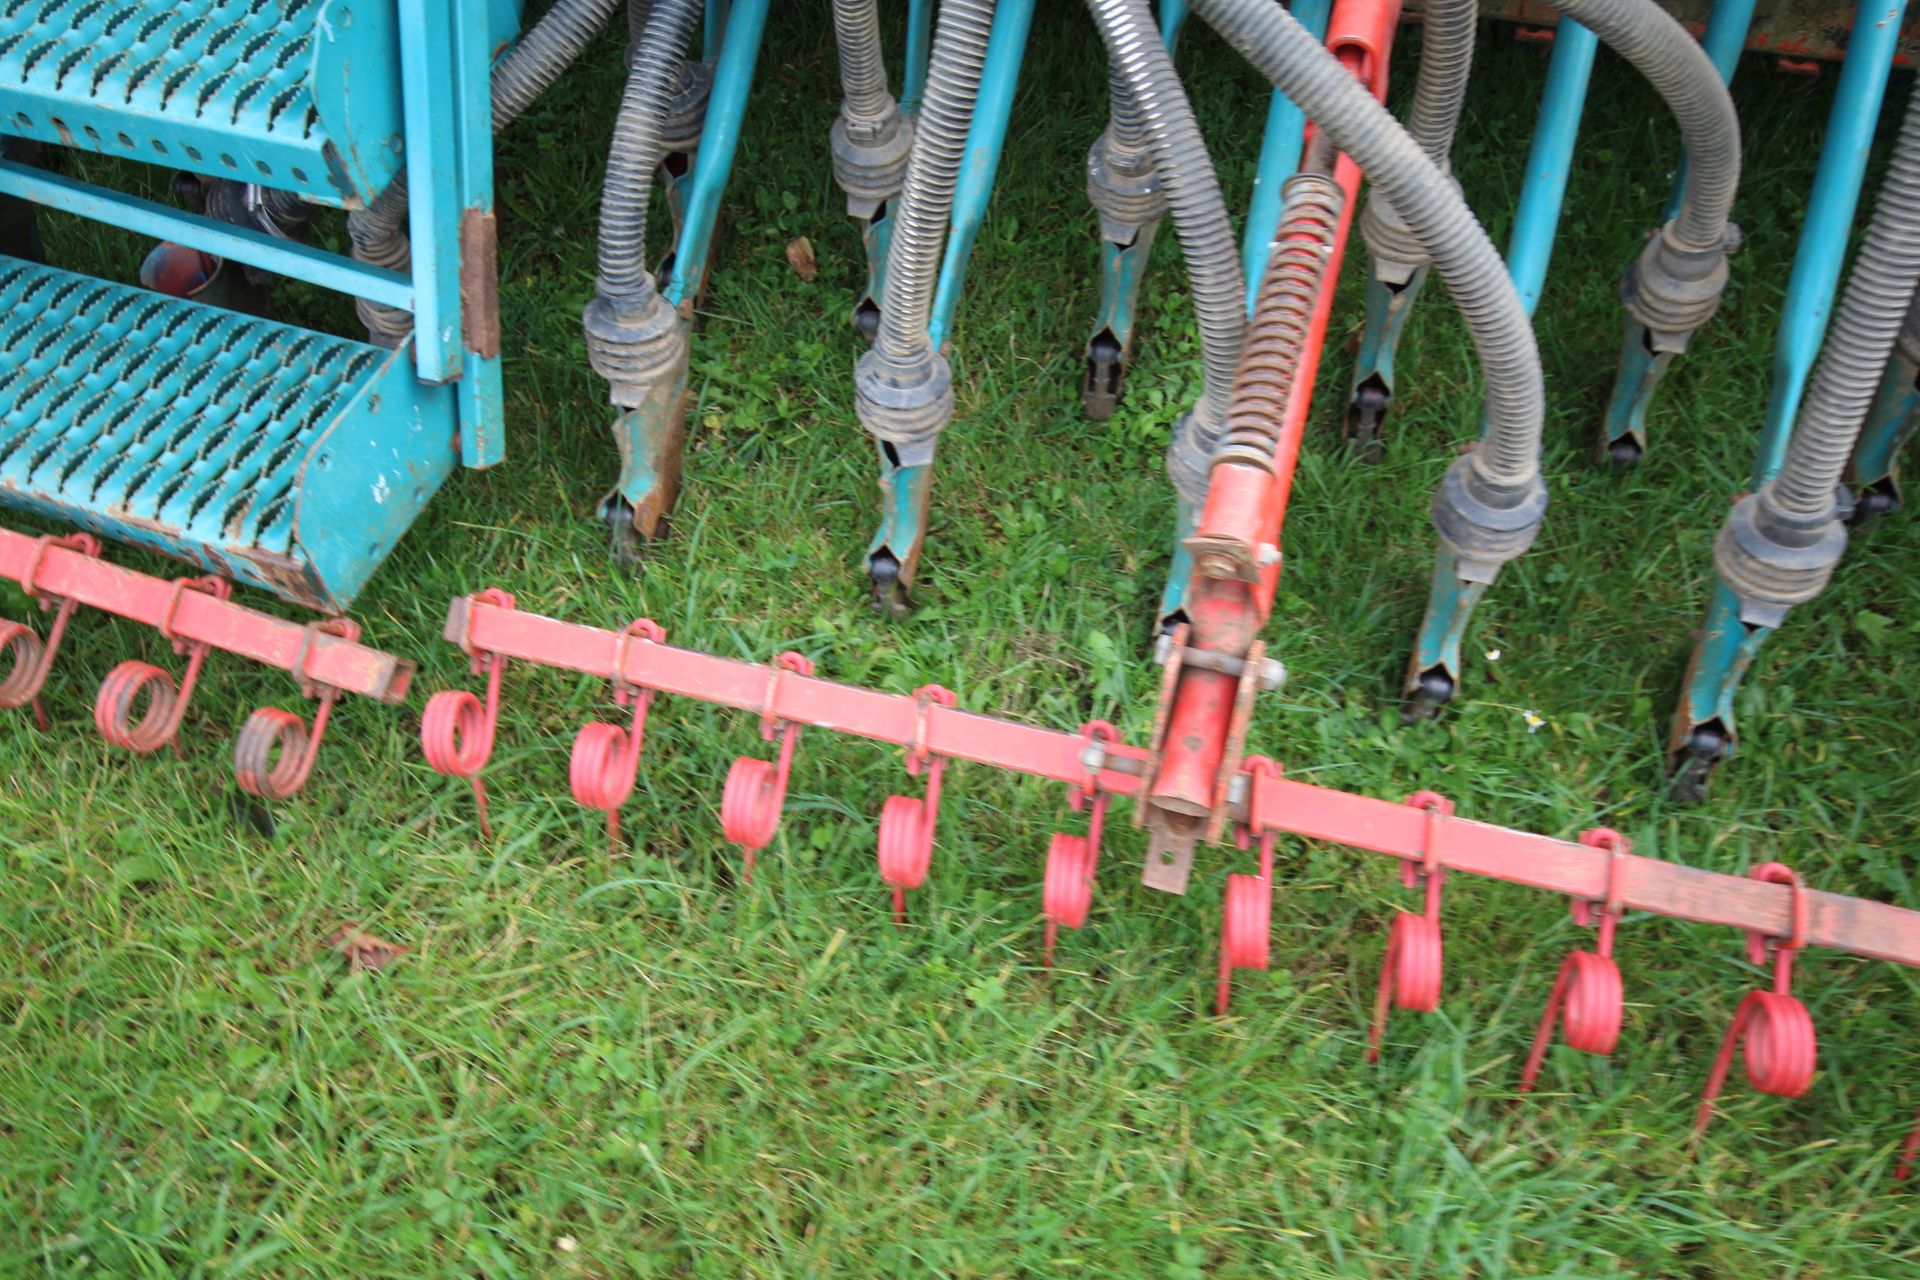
x: 594, y: 1067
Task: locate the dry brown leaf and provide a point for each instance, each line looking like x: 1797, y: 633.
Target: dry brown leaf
x: 363, y: 951
x: 800, y: 258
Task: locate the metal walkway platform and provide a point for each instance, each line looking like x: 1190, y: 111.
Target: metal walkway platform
x: 282, y: 458
x: 254, y: 90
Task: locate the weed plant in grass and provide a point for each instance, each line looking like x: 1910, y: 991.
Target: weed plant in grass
x: 638, y: 1066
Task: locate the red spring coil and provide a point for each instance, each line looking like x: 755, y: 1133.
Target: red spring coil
x: 457, y: 729
x: 120, y: 692
x: 1773, y: 1027
x: 750, y: 806
x: 1067, y: 892
x: 1410, y: 973
x: 267, y: 731
x: 1909, y: 1151
x: 906, y: 842
x: 22, y: 684
x: 1246, y: 930
x: 601, y: 766
x: 456, y: 733
x: 1588, y: 999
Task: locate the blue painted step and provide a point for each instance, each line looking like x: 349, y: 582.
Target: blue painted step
x: 255, y: 90
x: 279, y: 457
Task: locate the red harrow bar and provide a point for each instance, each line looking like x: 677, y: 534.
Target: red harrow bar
x: 139, y: 707
x: 1599, y: 873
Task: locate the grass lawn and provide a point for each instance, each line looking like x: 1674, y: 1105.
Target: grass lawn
x: 595, y: 1066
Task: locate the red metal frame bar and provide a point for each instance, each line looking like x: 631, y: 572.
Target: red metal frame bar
x: 1265, y: 801
x: 200, y: 618
x: 138, y: 707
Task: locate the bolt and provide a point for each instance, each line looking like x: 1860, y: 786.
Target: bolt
x: 1163, y: 648
x: 1273, y: 674
x: 1268, y: 554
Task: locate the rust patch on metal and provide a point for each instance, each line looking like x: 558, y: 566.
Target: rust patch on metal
x: 480, y: 282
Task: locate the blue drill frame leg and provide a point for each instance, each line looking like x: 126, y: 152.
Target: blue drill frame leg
x: 1109, y: 351
x: 1703, y: 731
x: 1388, y: 306
x: 1874, y: 471
x: 1822, y: 248
x: 651, y: 436
x: 893, y: 556
x: 1644, y: 359
x: 1434, y: 669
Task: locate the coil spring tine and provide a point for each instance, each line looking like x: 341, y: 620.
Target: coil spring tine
x: 605, y: 757
x: 159, y: 725
x: 1410, y: 972
x: 1246, y: 908
x: 907, y: 822
x: 1773, y: 1028
x: 756, y: 789
x: 1067, y: 887
x: 1587, y: 998
x: 33, y: 657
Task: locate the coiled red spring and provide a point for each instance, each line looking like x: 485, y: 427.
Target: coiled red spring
x: 756, y: 789
x: 274, y: 755
x: 1411, y: 971
x: 32, y: 658
x: 1246, y: 912
x: 907, y: 822
x: 1588, y: 997
x: 1773, y: 1027
x: 1282, y: 315
x: 605, y: 757
x: 1066, y: 892
x: 165, y: 707
x: 456, y: 731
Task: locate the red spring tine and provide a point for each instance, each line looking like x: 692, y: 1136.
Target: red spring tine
x: 757, y: 789
x: 1773, y: 1026
x: 1909, y: 1151
x: 456, y: 732
x: 271, y: 730
x: 1588, y: 997
x: 606, y: 757
x: 32, y: 657
x: 907, y: 822
x: 1246, y: 914
x: 1067, y: 891
x: 120, y: 692
x: 1411, y: 970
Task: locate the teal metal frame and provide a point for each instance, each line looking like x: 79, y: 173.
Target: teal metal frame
x: 1703, y: 730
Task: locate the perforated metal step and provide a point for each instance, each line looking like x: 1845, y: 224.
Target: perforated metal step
x: 303, y: 95
x: 279, y: 457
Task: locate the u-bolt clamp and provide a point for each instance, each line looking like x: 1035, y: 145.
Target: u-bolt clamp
x: 1246, y: 913
x: 1587, y: 995
x: 1773, y: 1026
x: 272, y: 731
x: 1410, y: 972
x: 1067, y: 890
x: 456, y: 732
x: 32, y: 656
x: 757, y: 789
x: 606, y: 757
x: 907, y: 822
x: 156, y: 727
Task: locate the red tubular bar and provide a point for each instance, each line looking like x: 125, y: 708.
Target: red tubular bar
x: 1267, y: 802
x: 199, y: 618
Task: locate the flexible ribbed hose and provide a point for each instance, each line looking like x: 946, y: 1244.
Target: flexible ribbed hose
x: 1124, y: 123
x: 637, y: 14
x: 926, y: 198
x: 1440, y: 86
x: 863, y: 69
x: 1301, y: 68
x: 1680, y: 71
x: 1878, y: 292
x: 379, y: 232
x: 1439, y: 90
x: 1180, y: 156
x: 637, y: 147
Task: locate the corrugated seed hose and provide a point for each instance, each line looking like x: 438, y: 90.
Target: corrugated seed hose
x: 1508, y: 458
x: 1150, y: 92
